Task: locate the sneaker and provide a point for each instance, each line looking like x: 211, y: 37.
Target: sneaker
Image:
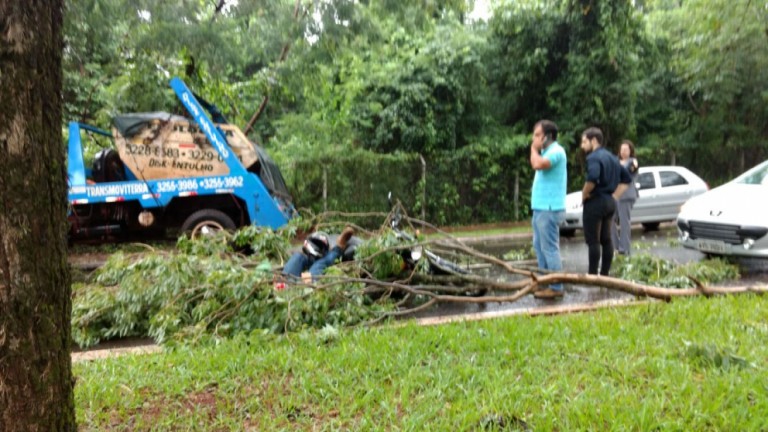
x: 548, y: 293
x: 345, y: 236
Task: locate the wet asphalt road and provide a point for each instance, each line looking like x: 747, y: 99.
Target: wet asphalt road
x: 573, y: 250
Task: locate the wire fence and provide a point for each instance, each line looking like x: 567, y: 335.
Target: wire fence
x: 448, y: 189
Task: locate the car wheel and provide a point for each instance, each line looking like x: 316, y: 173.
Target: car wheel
x: 207, y: 222
x: 567, y: 232
x: 651, y: 226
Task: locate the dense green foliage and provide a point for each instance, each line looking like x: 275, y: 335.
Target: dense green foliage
x: 206, y: 288
x: 352, y: 84
x: 648, y: 269
x: 720, y: 57
x: 211, y: 287
x: 692, y: 364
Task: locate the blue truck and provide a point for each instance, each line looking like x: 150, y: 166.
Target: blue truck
x: 167, y: 172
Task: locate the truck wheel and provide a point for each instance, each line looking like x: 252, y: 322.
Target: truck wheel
x: 207, y: 222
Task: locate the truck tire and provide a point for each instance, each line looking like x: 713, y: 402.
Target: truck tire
x: 206, y: 222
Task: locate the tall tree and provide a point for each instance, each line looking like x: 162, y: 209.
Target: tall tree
x: 35, y: 366
x: 576, y: 61
x: 720, y: 53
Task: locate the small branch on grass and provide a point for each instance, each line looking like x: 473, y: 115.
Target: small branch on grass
x: 700, y: 286
x: 421, y: 307
x: 144, y: 245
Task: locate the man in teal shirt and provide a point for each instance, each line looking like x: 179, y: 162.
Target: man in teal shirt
x: 548, y: 201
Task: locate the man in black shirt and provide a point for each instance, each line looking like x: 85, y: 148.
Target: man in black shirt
x: 606, y: 181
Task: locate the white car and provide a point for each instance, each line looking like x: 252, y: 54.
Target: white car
x: 662, y: 191
x: 731, y: 219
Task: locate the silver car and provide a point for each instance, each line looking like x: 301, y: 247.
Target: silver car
x: 662, y: 191
x: 731, y: 219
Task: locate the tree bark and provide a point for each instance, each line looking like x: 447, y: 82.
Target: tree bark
x: 35, y: 368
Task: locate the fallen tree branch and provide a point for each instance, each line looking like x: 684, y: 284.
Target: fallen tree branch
x: 483, y: 281
x: 525, y: 287
x: 641, y: 290
x: 457, y: 288
x: 489, y: 258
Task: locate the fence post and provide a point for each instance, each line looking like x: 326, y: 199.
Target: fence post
x: 423, y: 188
x: 517, y: 196
x: 325, y: 189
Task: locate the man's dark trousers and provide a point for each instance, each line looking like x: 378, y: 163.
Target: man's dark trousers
x: 597, y: 220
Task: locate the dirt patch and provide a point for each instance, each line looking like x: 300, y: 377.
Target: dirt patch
x: 115, y: 348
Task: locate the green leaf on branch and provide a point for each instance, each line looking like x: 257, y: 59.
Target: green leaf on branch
x: 203, y: 289
x: 647, y: 269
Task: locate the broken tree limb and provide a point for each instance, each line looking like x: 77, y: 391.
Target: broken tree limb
x: 527, y: 286
x: 641, y: 290
x: 521, y: 278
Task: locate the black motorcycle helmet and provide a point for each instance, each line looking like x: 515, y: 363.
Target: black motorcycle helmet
x: 316, y: 245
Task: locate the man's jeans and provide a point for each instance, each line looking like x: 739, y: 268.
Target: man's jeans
x: 546, y: 241
x: 299, y: 262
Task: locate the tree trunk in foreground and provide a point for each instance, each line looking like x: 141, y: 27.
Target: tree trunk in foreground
x: 35, y: 367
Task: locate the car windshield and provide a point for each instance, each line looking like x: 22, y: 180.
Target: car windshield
x: 758, y: 175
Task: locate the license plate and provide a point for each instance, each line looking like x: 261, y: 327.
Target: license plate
x: 713, y: 246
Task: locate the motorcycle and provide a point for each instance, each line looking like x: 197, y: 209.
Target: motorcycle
x: 414, y: 255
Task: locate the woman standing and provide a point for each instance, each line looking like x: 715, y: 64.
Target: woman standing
x: 620, y: 229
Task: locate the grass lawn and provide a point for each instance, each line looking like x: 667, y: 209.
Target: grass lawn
x: 694, y: 364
